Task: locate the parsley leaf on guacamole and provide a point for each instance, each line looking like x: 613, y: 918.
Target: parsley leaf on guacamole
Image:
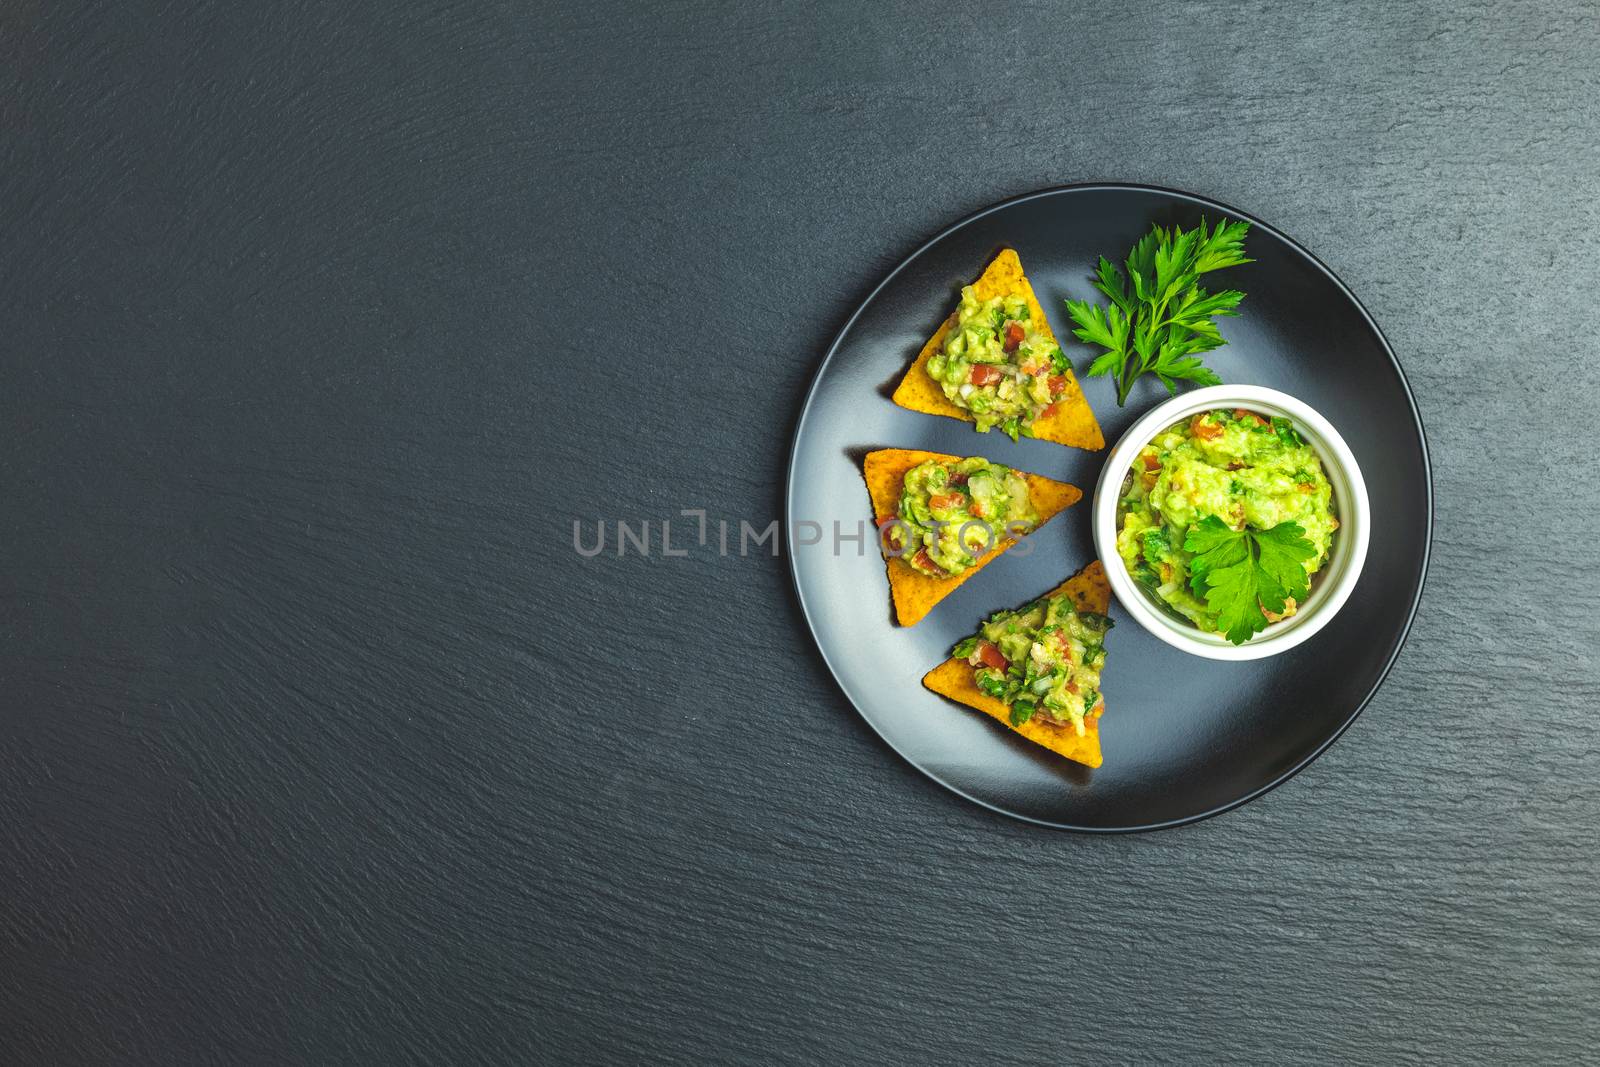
x: 1246, y: 573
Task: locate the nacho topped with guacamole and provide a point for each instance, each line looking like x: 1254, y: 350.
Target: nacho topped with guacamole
x: 1225, y: 517
x: 1058, y: 691
x: 1042, y: 659
x: 912, y: 523
x: 997, y: 365
x: 994, y: 362
x: 950, y: 514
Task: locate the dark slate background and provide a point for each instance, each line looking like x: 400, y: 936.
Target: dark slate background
x: 320, y: 323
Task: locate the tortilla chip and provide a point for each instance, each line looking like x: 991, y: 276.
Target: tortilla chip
x: 953, y: 678
x: 1072, y: 422
x: 916, y: 593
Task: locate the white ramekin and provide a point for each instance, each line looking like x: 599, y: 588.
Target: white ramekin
x: 1330, y: 587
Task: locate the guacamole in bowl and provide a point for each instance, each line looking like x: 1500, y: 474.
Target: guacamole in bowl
x: 1250, y: 473
x: 1235, y: 521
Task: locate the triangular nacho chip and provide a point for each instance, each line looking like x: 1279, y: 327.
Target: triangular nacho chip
x: 953, y: 678
x: 916, y: 593
x: 1071, y: 423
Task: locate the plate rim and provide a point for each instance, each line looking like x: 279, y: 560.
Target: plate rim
x: 1204, y: 202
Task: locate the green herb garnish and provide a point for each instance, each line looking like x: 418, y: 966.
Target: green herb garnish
x: 1245, y: 573
x: 1162, y: 325
x: 1022, y: 710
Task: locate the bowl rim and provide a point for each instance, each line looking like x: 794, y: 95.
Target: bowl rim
x: 1345, y: 563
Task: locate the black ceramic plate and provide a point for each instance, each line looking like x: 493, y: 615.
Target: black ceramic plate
x: 1183, y: 737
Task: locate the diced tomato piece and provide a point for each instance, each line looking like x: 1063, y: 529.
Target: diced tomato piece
x: 991, y: 657
x: 926, y: 560
x: 984, y: 374
x: 958, y: 479
x: 944, y: 500
x: 1014, y: 335
x: 1058, y: 384
x: 1206, y: 431
x: 1241, y: 413
x: 1047, y: 411
x: 1152, y: 462
x: 977, y: 509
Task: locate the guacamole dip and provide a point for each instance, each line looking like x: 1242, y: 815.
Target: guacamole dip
x: 952, y: 513
x: 997, y: 365
x: 1223, y: 474
x: 1042, y: 660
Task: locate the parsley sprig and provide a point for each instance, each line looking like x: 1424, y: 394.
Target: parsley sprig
x: 1162, y: 324
x: 1243, y: 574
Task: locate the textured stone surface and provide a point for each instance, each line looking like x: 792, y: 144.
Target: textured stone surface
x: 318, y: 742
